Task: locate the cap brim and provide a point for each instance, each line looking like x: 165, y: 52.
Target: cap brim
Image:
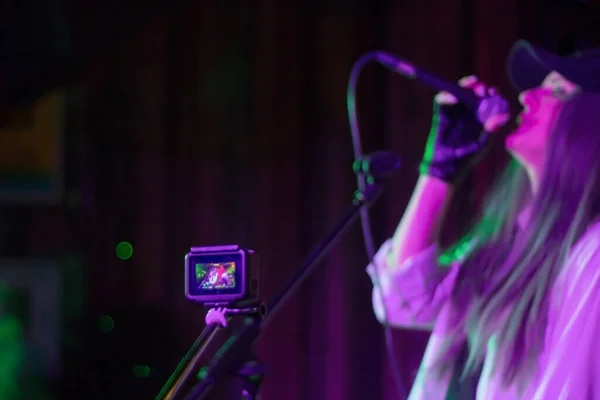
x: 528, y: 65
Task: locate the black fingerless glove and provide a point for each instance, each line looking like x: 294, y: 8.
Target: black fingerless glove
x: 455, y: 140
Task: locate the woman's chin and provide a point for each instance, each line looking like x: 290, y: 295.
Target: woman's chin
x: 511, y: 141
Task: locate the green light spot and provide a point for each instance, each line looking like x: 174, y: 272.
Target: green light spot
x: 107, y: 324
x: 141, y: 371
x: 124, y: 250
x: 202, y: 373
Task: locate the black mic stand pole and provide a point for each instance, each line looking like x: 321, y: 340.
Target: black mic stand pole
x: 176, y: 384
x: 235, y: 356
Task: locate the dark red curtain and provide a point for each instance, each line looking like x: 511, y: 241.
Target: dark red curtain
x: 225, y: 122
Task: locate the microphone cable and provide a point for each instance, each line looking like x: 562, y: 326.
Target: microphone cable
x: 364, y: 213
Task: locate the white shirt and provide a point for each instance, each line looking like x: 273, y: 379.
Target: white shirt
x: 416, y: 296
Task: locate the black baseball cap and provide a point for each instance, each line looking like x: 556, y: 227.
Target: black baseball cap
x: 529, y: 64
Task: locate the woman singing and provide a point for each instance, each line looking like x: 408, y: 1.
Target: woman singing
x: 514, y: 308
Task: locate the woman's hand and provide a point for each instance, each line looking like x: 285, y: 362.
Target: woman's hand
x: 457, y: 137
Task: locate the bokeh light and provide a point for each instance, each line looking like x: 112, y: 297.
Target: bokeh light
x: 107, y: 324
x: 141, y: 371
x: 124, y: 250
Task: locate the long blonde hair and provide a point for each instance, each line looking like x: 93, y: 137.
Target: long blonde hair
x: 509, y: 275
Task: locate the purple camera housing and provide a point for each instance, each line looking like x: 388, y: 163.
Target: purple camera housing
x: 221, y: 275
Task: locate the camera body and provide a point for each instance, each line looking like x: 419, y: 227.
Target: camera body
x: 221, y: 275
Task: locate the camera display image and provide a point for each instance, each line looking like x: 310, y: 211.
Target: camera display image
x: 215, y: 276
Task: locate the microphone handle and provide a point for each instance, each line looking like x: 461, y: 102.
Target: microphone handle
x: 483, y: 107
x: 407, y: 69
x: 465, y: 96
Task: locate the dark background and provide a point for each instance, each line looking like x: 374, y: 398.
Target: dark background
x: 212, y: 122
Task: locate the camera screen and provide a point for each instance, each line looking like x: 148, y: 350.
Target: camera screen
x: 215, y: 276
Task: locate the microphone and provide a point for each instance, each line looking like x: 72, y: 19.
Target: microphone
x: 483, y: 107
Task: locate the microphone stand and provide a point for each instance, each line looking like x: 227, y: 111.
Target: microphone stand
x: 235, y: 356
